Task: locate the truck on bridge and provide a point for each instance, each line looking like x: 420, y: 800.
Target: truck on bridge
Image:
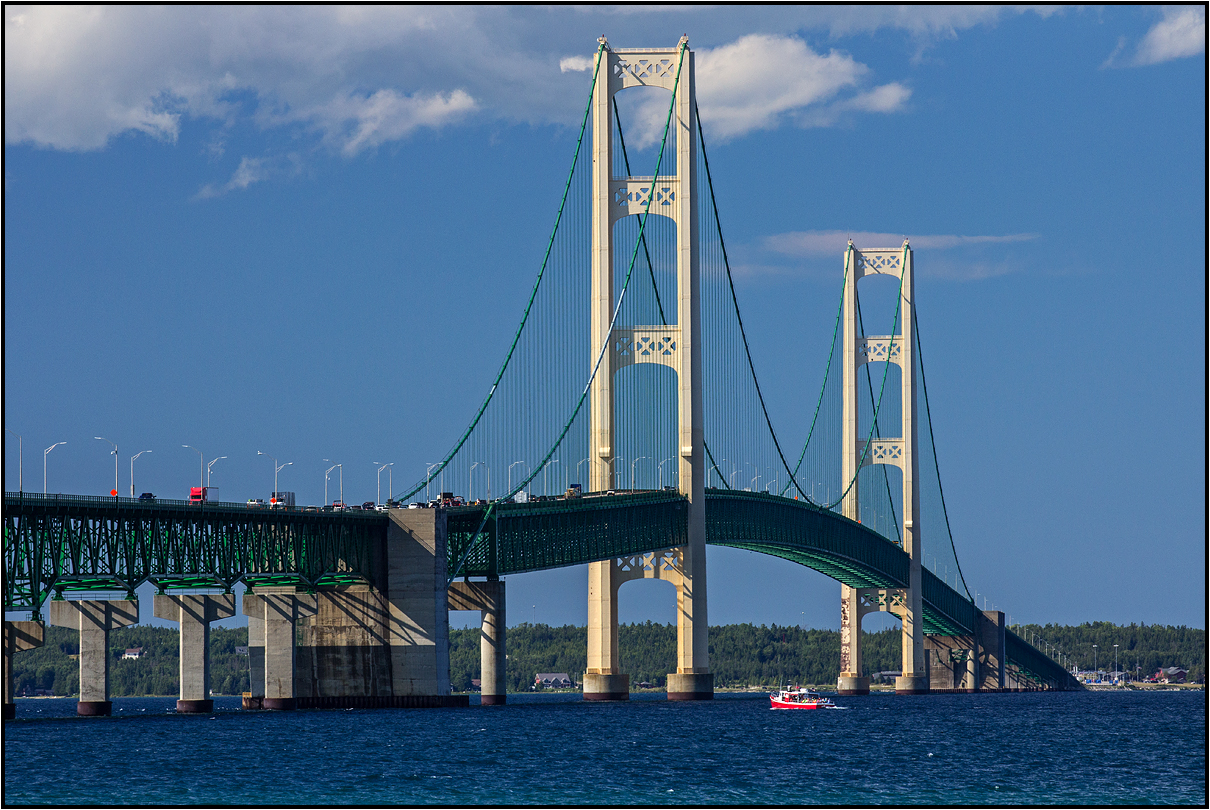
x: 203, y: 494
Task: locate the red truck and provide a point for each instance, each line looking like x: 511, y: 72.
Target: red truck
x: 203, y: 494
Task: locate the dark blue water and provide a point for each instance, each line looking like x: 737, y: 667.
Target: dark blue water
x: 1080, y: 748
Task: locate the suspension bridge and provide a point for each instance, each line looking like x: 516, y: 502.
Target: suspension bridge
x: 631, y: 348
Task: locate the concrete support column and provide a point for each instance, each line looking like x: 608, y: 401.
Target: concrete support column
x: 194, y: 612
x: 603, y: 678
x: 489, y: 599
x: 852, y: 680
x: 417, y: 602
x: 18, y: 637
x: 94, y: 619
x: 992, y: 650
x: 279, y: 613
x: 255, y: 696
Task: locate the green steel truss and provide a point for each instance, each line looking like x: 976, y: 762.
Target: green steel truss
x: 72, y: 543
x: 63, y: 543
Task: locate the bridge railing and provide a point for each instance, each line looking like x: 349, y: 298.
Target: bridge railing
x: 57, y: 499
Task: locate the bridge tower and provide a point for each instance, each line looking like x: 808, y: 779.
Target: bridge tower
x: 900, y: 452
x: 675, y: 196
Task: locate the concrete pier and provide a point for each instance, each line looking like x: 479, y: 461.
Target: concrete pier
x: 18, y: 637
x: 254, y: 698
x: 418, y: 619
x: 343, y: 658
x: 489, y: 599
x: 94, y: 619
x: 194, y: 612
x: 279, y: 614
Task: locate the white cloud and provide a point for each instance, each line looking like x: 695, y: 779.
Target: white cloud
x: 359, y: 123
x: 576, y: 63
x: 832, y: 243
x: 78, y: 76
x: 251, y: 170
x: 1181, y: 32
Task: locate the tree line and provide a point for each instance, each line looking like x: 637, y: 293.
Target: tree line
x: 741, y: 655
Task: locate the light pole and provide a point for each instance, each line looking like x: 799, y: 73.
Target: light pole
x: 545, y: 473
x: 510, y: 474
x: 277, y: 469
x: 342, y: 481
x: 327, y: 472
x: 579, y: 475
x: 632, y: 463
x: 132, y: 458
x: 1115, y: 663
x: 390, y: 478
x: 201, y: 460
x: 660, y: 468
x: 1094, y: 661
x: 428, y: 482
x: 613, y: 482
x: 115, y: 463
x: 470, y: 481
x: 756, y: 477
x: 44, y: 454
x: 20, y: 461
x: 208, y: 466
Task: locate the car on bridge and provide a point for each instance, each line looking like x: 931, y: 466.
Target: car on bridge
x: 147, y: 496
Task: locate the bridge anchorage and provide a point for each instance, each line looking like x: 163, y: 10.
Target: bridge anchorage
x: 352, y: 609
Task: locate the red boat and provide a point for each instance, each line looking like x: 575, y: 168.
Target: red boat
x: 798, y: 698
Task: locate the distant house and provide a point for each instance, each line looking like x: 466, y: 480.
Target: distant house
x: 553, y: 680
x: 476, y: 685
x: 241, y: 650
x: 133, y: 652
x: 1172, y: 675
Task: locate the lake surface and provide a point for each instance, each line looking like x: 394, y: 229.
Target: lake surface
x: 1125, y: 748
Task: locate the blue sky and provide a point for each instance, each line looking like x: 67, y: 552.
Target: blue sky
x: 310, y: 231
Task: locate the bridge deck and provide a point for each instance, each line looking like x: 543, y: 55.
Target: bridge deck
x: 57, y: 543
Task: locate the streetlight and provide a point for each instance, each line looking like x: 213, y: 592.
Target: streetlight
x: 115, y: 462
x: 201, y: 460
x: 44, y: 453
x: 545, y: 473
x: 632, y: 463
x: 510, y: 474
x: 277, y: 469
x: 613, y: 479
x: 756, y: 477
x: 390, y: 479
x: 132, y: 458
x: 428, y: 481
x: 208, y: 466
x: 578, y: 473
x: 660, y: 467
x: 470, y: 481
x: 20, y: 461
x: 342, y: 481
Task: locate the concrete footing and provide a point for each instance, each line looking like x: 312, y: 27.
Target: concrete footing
x: 852, y: 685
x: 94, y: 708
x: 194, y: 706
x: 912, y: 685
x: 690, y: 686
x: 606, y: 687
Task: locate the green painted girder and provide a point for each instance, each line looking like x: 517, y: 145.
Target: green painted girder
x: 54, y: 544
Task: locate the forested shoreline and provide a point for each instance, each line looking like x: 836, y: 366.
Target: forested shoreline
x: 741, y: 655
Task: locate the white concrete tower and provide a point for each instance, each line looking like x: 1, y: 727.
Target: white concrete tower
x: 900, y: 452
x: 679, y: 346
